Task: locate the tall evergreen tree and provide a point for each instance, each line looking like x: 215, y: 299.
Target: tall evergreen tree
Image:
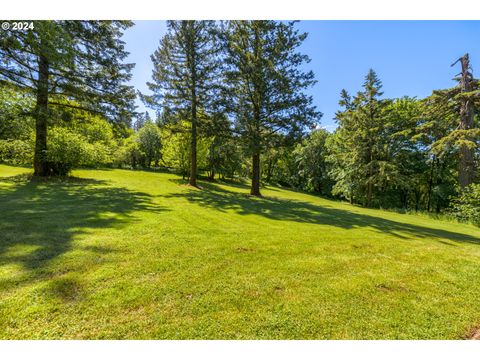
x: 406, y: 156
x: 310, y: 170
x: 455, y: 109
x: 75, y: 60
x: 141, y: 120
x: 469, y: 89
x: 186, y: 76
x: 358, y: 152
x: 267, y: 84
x: 439, y: 119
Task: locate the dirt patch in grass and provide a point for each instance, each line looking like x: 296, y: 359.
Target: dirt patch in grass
x: 244, y: 249
x: 473, y: 334
x: 383, y: 287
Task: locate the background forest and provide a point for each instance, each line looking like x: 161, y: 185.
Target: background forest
x: 230, y: 104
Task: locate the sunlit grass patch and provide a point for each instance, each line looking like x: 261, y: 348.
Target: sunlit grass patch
x: 132, y: 254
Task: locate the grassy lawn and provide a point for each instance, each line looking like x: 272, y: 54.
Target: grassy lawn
x: 122, y: 254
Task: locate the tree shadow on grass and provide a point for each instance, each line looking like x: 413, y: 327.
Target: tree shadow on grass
x: 39, y: 219
x: 274, y: 208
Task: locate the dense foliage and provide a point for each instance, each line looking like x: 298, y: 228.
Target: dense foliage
x: 231, y: 103
x: 185, y: 77
x: 56, y: 62
x: 467, y: 206
x: 267, y: 84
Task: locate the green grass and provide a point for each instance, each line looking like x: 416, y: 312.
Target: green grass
x: 123, y: 254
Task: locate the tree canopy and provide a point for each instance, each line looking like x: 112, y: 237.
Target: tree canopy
x: 231, y: 101
x: 76, y: 60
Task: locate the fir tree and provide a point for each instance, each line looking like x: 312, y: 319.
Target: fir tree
x: 267, y: 84
x: 185, y: 77
x: 74, y: 60
x: 359, y: 156
x: 454, y: 111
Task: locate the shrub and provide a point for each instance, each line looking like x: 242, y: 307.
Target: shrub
x: 133, y: 154
x: 150, y: 143
x: 67, y: 150
x: 466, y: 207
x: 16, y: 152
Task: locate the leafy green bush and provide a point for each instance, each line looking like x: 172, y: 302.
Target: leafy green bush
x: 176, y: 152
x: 16, y: 152
x: 79, y: 145
x: 466, y: 207
x: 128, y: 153
x: 67, y: 150
x: 150, y: 143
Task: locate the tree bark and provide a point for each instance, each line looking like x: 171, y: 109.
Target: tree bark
x: 369, y: 183
x: 211, y: 176
x: 193, y: 151
x: 255, y: 189
x: 134, y: 162
x: 40, y: 163
x: 417, y: 199
x: 370, y: 170
x: 466, y: 169
x: 369, y: 193
x: 430, y: 184
x: 269, y: 170
x: 193, y: 155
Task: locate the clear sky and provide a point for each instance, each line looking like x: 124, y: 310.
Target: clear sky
x: 411, y: 57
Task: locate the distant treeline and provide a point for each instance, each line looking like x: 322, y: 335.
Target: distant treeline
x: 230, y: 102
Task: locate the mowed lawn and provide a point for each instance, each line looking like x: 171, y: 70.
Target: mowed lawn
x: 116, y: 254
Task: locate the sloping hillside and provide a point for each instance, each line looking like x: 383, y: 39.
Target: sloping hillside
x: 131, y: 254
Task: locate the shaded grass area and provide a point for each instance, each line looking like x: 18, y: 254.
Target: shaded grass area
x: 131, y: 254
x: 280, y: 209
x: 45, y: 215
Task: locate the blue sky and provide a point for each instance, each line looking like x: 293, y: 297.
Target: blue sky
x: 411, y: 57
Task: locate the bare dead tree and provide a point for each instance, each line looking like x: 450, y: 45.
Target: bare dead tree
x: 466, y: 170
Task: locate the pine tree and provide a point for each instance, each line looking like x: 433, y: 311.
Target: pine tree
x: 469, y: 90
x: 358, y: 147
x: 75, y: 60
x: 267, y: 84
x: 439, y: 119
x: 186, y: 77
x: 142, y: 119
x: 455, y: 109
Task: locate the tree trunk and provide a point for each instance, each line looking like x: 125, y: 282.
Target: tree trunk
x: 466, y: 169
x: 369, y: 194
x: 404, y: 199
x: 269, y: 170
x: 430, y: 185
x: 255, y: 190
x: 193, y: 151
x: 40, y: 163
x: 466, y: 172
x: 369, y: 186
x: 417, y: 199
x: 370, y: 174
x: 211, y: 176
x: 193, y: 159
